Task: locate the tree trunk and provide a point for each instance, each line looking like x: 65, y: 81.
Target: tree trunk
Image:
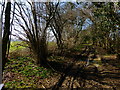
x: 6, y: 34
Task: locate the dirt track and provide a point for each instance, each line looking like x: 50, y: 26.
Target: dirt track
x: 80, y: 75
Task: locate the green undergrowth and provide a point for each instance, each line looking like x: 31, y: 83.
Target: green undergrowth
x: 78, y: 48
x: 51, y: 43
x: 17, y: 45
x: 27, y: 72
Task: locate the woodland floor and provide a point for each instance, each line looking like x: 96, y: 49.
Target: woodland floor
x: 68, y: 71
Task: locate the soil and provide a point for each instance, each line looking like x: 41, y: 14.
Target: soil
x: 73, y: 72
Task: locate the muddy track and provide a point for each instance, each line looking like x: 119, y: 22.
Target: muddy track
x: 71, y: 70
x: 75, y: 76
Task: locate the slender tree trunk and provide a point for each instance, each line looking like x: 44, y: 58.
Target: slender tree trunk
x: 6, y: 34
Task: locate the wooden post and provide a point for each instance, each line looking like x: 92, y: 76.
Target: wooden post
x: 1, y: 85
x: 0, y: 52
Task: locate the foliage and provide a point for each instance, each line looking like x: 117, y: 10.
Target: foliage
x: 105, y: 28
x: 78, y: 48
x: 80, y: 29
x: 17, y: 45
x: 26, y: 70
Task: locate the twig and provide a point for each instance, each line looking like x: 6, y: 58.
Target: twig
x: 43, y: 86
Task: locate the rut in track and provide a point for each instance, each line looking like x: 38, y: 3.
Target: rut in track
x: 72, y: 70
x: 75, y: 75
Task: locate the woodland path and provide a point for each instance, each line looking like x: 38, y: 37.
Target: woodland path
x: 80, y: 74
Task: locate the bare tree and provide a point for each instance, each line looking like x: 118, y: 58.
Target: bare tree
x: 35, y: 26
x: 66, y: 23
x: 56, y: 24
